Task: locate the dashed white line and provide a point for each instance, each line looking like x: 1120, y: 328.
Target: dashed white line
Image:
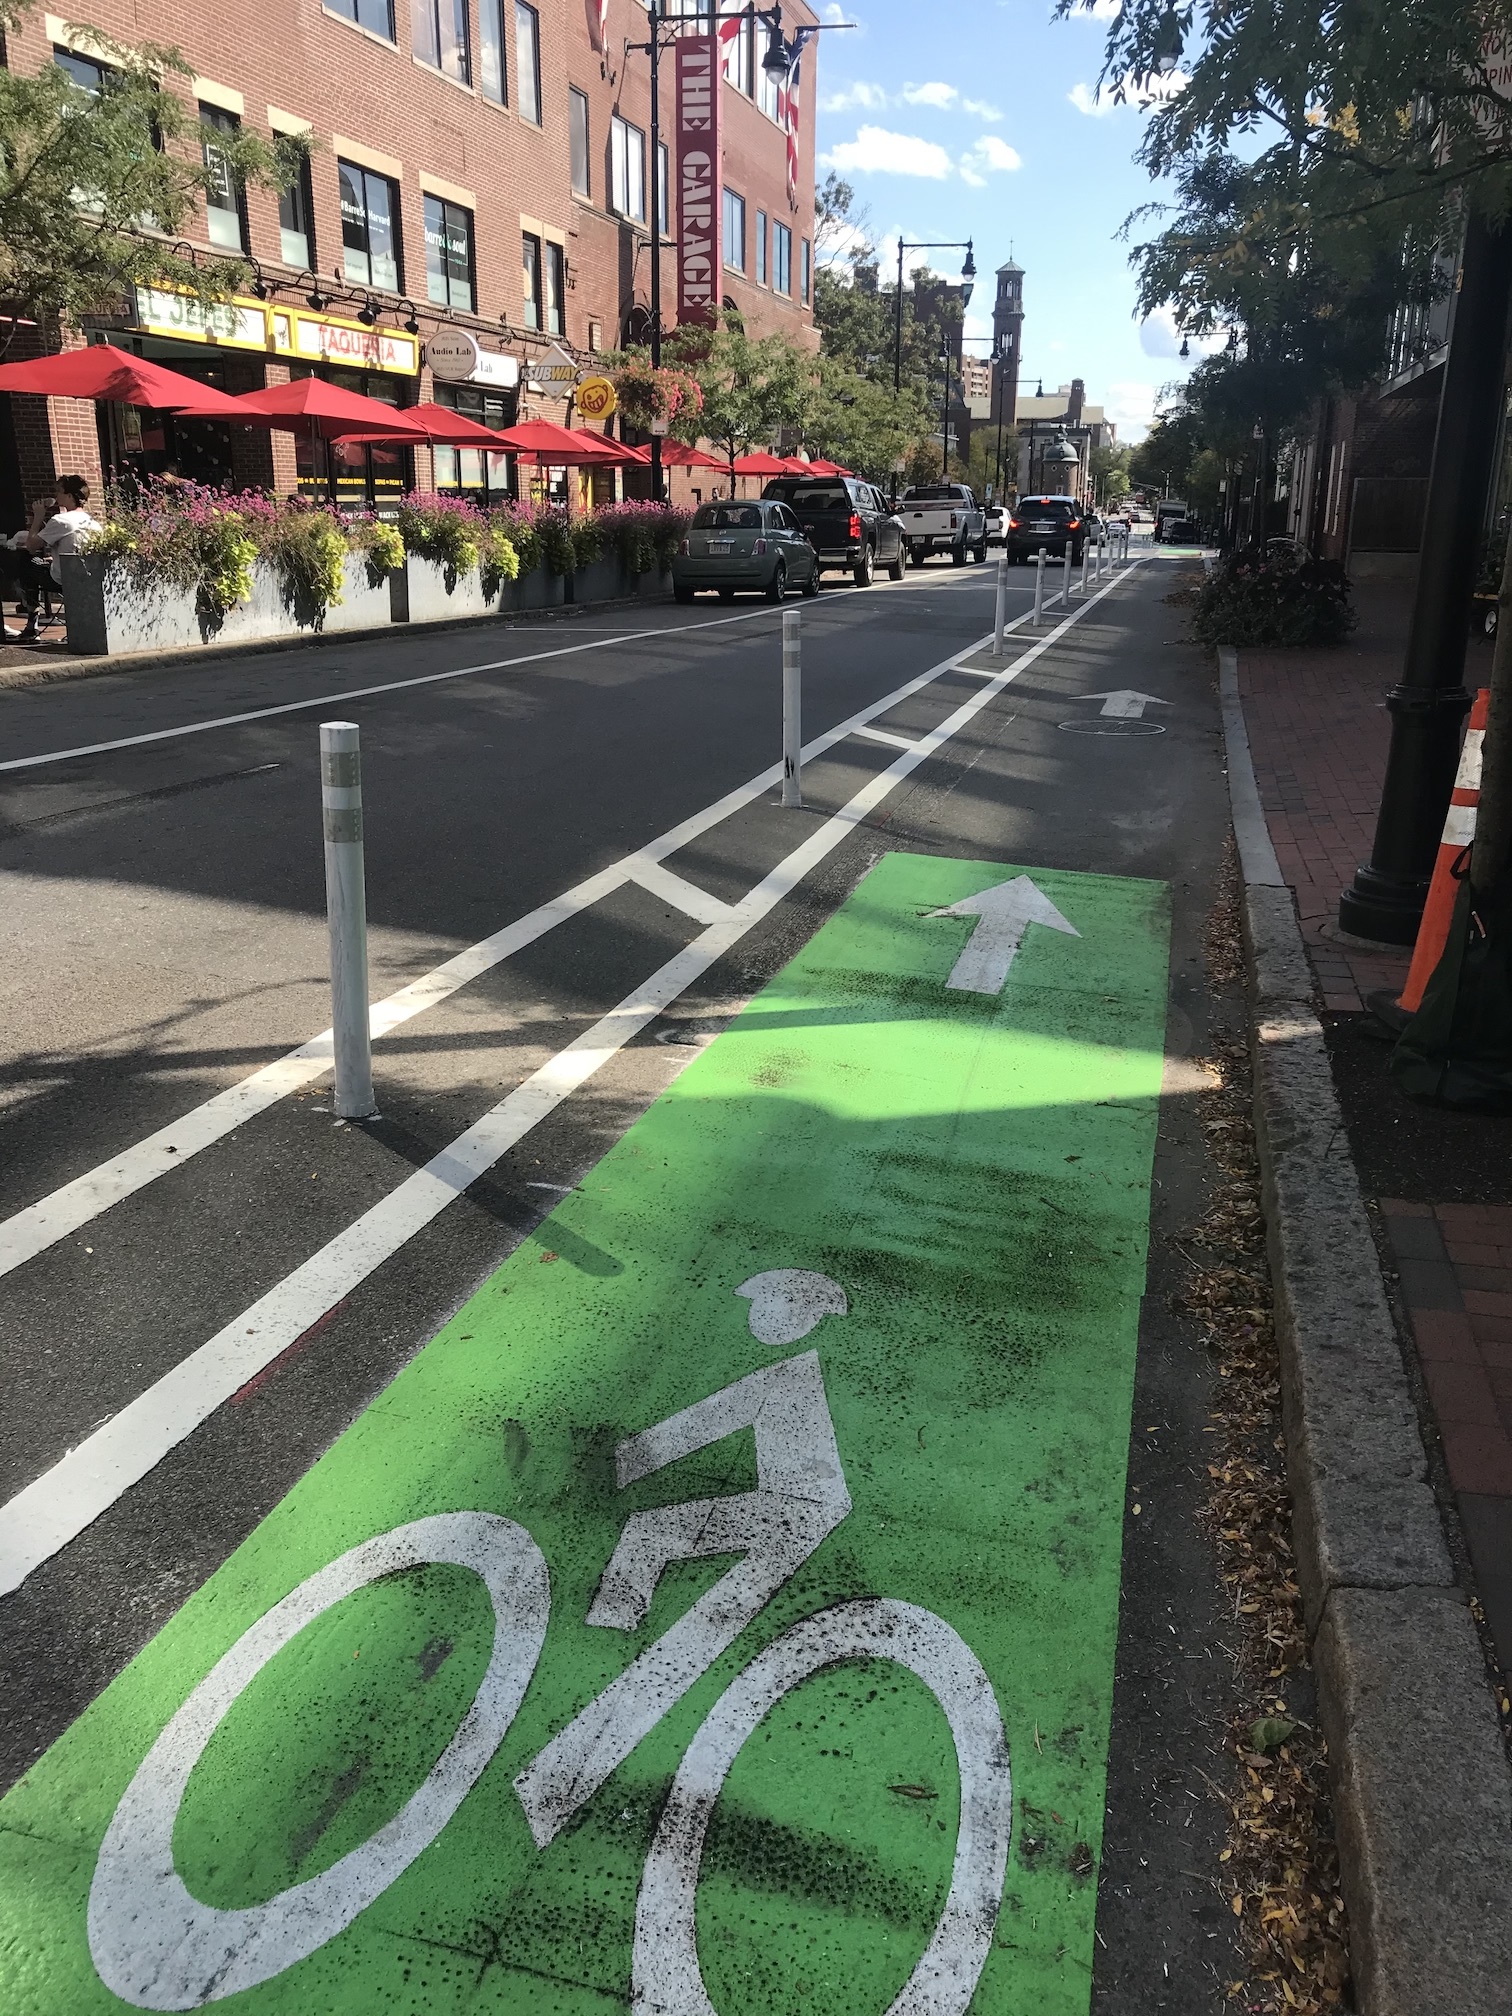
x: 72, y: 1494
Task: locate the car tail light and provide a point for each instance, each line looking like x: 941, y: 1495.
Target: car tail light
x: 853, y: 530
x: 683, y: 547
x: 759, y: 547
x: 1015, y: 524
x: 1072, y: 523
x: 952, y: 521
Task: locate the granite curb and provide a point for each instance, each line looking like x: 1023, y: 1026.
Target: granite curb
x: 1421, y: 1786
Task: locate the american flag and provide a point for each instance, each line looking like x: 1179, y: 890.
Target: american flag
x: 730, y: 26
x: 603, y: 27
x: 788, y: 107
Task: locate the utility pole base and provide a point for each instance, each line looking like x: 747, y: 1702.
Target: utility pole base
x: 1387, y: 908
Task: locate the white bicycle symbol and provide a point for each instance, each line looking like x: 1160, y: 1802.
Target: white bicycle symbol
x: 157, y: 1947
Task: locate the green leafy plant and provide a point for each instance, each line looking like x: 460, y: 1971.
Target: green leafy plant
x: 308, y: 549
x: 556, y: 542
x: 381, y: 545
x: 498, y: 560
x: 587, y: 540
x: 1260, y: 598
x: 446, y: 530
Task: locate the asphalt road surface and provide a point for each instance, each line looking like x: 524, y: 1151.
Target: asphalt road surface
x: 848, y: 1125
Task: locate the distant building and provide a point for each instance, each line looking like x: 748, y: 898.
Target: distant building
x: 1041, y: 420
x: 976, y: 384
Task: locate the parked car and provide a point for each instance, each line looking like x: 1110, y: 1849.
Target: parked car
x: 1056, y: 523
x: 943, y: 518
x: 1166, y: 511
x: 847, y: 522
x: 997, y: 524
x: 758, y: 546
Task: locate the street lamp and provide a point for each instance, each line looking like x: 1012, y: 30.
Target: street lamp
x: 1168, y: 41
x: 968, y: 275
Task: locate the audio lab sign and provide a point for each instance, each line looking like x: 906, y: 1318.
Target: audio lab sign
x: 700, y: 280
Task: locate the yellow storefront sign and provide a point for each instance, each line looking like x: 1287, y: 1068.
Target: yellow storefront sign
x: 596, y: 399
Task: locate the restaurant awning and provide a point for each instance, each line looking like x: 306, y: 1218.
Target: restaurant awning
x: 103, y: 372
x: 554, y: 447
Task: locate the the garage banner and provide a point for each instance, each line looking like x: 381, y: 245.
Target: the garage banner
x: 700, y: 280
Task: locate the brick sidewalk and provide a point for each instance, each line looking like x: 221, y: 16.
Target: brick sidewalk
x: 1318, y: 735
x: 1455, y: 1277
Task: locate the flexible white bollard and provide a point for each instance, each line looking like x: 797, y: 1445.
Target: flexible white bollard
x: 1039, y: 585
x: 1000, y: 614
x: 1086, y: 563
x: 1065, y: 588
x: 346, y: 917
x: 792, y: 707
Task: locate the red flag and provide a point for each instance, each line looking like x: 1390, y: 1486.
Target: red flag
x: 789, y: 110
x: 603, y: 27
x: 730, y: 26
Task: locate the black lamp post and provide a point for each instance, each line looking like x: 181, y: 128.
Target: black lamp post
x: 968, y: 276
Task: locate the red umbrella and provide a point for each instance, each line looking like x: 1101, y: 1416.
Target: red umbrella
x: 455, y: 430
x: 823, y: 468
x: 544, y: 442
x: 103, y: 372
x: 315, y: 407
x: 762, y: 464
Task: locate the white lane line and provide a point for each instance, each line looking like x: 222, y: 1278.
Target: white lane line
x: 64, y: 1500
x: 885, y: 735
x: 402, y: 685
x: 681, y: 894
x: 33, y: 1229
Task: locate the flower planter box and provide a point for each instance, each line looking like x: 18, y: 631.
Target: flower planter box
x: 602, y: 580
x: 653, y: 584
x: 537, y: 590
x: 437, y: 595
x: 107, y: 614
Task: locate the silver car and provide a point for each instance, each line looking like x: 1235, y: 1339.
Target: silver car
x: 759, y: 547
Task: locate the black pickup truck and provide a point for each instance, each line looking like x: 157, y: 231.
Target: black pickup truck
x: 847, y: 523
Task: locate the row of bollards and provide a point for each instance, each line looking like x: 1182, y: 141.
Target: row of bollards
x: 341, y: 810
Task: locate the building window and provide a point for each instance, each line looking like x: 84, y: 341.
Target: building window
x: 448, y: 253
x: 663, y: 192
x: 475, y: 468
x: 375, y: 15
x: 530, y: 247
x: 223, y: 196
x: 806, y: 270
x: 767, y: 88
x: 782, y: 259
x: 527, y: 63
x: 85, y: 72
x: 577, y: 131
x: 556, y: 290
x: 734, y: 231
x: 740, y: 58
x: 761, y: 247
x: 438, y: 33
x: 627, y: 158
x: 491, y: 73
x: 296, y: 210
x: 369, y: 227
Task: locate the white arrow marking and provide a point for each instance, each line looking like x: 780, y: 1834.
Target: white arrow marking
x: 1125, y: 705
x: 1005, y: 914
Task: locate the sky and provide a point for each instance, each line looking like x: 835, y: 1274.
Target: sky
x: 980, y: 118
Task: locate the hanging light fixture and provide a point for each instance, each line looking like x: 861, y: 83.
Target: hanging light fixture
x: 1186, y: 348
x: 968, y: 276
x: 1168, y: 41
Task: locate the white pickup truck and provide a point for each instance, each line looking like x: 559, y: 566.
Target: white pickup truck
x: 943, y: 518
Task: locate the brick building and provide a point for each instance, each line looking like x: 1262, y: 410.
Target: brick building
x: 479, y: 193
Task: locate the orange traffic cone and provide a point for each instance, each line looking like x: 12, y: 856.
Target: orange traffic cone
x: 1459, y: 831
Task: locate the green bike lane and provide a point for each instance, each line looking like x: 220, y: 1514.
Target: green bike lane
x: 745, y: 1637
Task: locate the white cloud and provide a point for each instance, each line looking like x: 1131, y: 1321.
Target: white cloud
x: 1138, y: 94
x: 1100, y: 10
x: 980, y: 109
x: 1131, y: 408
x: 855, y: 98
x: 940, y: 96
x: 834, y: 13
x: 990, y: 156
x: 875, y: 151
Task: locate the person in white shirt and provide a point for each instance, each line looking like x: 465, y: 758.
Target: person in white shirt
x: 59, y: 535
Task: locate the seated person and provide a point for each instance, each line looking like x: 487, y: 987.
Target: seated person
x: 58, y: 535
x: 21, y: 569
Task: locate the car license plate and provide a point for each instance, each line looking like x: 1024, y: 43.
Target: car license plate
x: 721, y: 545
x: 1043, y: 525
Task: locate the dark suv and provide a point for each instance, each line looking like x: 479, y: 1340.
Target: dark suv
x: 847, y: 522
x: 1052, y: 522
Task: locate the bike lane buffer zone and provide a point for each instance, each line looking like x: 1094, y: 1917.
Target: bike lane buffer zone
x: 719, y: 1613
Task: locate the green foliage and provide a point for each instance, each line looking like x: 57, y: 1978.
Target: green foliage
x: 922, y: 463
x: 91, y: 186
x: 754, y: 389
x: 1109, y: 470
x: 587, y: 541
x: 381, y: 545
x: 1266, y: 598
x: 498, y: 559
x: 309, y: 549
x: 556, y: 542
x: 446, y: 530
x: 857, y: 422
x: 1163, y: 460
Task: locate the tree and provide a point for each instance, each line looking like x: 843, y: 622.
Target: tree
x: 1109, y: 470
x: 858, y: 423
x: 96, y: 187
x: 1163, y: 460
x: 754, y: 389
